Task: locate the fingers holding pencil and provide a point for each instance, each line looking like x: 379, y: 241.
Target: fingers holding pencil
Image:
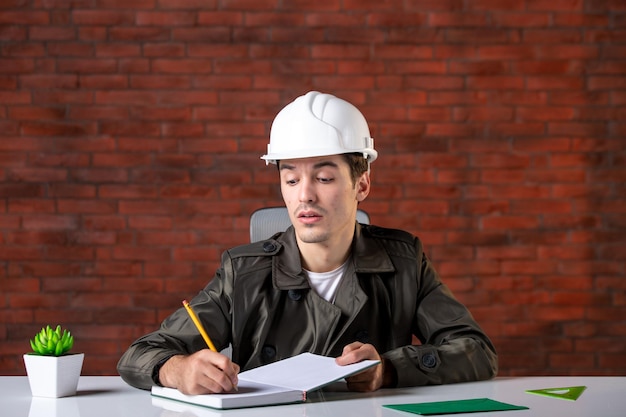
x: 202, y: 372
x: 229, y: 368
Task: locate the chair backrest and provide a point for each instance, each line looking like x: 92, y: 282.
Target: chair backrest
x: 266, y: 221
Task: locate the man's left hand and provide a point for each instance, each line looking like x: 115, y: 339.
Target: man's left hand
x: 368, y: 380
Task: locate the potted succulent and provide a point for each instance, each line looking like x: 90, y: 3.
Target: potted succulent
x: 53, y: 371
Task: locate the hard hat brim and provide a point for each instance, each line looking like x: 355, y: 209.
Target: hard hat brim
x: 271, y: 158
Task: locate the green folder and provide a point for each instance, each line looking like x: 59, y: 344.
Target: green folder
x: 455, y: 407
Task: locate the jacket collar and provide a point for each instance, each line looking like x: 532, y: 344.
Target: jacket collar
x: 368, y: 254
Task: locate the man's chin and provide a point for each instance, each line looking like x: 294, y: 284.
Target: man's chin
x: 311, y: 236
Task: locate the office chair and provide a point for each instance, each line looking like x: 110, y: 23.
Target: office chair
x: 266, y: 221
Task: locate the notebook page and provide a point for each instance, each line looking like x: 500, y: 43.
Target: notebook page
x: 304, y: 372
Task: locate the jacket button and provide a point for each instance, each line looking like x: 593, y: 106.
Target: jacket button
x: 268, y: 352
x: 295, y: 295
x: 362, y: 336
x: 268, y: 247
x: 429, y: 360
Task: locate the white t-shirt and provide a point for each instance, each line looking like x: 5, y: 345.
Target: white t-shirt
x: 326, y: 283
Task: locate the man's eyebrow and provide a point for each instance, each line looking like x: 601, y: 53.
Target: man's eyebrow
x: 321, y: 164
x: 326, y: 164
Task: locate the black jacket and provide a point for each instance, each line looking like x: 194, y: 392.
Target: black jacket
x: 260, y: 301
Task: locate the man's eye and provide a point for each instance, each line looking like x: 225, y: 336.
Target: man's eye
x: 291, y: 182
x: 324, y: 180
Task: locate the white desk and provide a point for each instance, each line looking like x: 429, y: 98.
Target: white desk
x: 109, y: 396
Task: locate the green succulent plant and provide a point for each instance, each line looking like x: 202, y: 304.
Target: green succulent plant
x: 52, y: 342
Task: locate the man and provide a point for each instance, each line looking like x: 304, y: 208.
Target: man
x: 327, y: 285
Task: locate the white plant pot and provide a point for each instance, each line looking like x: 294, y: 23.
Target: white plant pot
x: 53, y: 376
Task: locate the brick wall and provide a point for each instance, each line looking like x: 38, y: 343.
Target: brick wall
x: 130, y: 139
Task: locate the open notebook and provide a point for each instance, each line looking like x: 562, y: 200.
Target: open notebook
x: 282, y: 382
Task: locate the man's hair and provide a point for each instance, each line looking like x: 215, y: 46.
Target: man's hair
x: 358, y: 165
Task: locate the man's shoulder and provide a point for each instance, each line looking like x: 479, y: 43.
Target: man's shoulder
x: 386, y: 233
x: 262, y: 248
x: 386, y: 241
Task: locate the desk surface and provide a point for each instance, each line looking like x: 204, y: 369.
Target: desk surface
x: 109, y: 396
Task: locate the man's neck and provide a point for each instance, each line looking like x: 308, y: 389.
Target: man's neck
x: 327, y: 256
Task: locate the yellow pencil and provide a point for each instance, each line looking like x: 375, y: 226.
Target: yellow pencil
x: 203, y: 332
x: 196, y: 321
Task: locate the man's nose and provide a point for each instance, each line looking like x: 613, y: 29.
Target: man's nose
x: 307, y: 191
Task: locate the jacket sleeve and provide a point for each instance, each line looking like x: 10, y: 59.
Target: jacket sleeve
x: 177, y: 335
x: 453, y: 347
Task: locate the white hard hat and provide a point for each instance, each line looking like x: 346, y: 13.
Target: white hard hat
x: 318, y: 124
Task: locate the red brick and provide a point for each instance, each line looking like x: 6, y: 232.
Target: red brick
x: 103, y: 81
x: 506, y: 253
x: 517, y: 129
x: 103, y: 222
x: 57, y: 129
x: 457, y: 98
x: 564, y: 360
x: 502, y: 176
x: 580, y: 19
x: 606, y: 83
x: 100, y: 175
x: 509, y: 222
x: 552, y: 36
x: 147, y: 239
x: 494, y: 82
x: 120, y: 159
x: 500, y: 160
x: 546, y: 67
x: 102, y: 17
x: 144, y: 144
x: 184, y: 191
x: 566, y: 252
x: 550, y: 313
x: 150, y: 222
x: 505, y: 283
x: 555, y: 144
x: 21, y: 190
x: 169, y: 18
x: 140, y: 253
x: 30, y: 206
x: 149, y: 81
x: 571, y: 221
x: 103, y: 301
x: 522, y: 19
x: 47, y: 97
x: 578, y: 190
x: 452, y: 130
x: 526, y: 298
x: 613, y: 361
x: 36, y: 301
x: 580, y: 299
x: 194, y: 254
x: 165, y: 270
x: 200, y: 222
x: 586, y: 267
x: 483, y: 114
x: 565, y: 51
x: 464, y: 268
x: 21, y: 285
x: 444, y: 222
x: 138, y: 34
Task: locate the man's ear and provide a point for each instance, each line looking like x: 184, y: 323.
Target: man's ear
x: 363, y: 186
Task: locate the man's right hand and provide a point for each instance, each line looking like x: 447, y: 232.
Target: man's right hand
x: 203, y: 372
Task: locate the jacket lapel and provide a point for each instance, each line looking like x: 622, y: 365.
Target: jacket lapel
x: 332, y: 321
